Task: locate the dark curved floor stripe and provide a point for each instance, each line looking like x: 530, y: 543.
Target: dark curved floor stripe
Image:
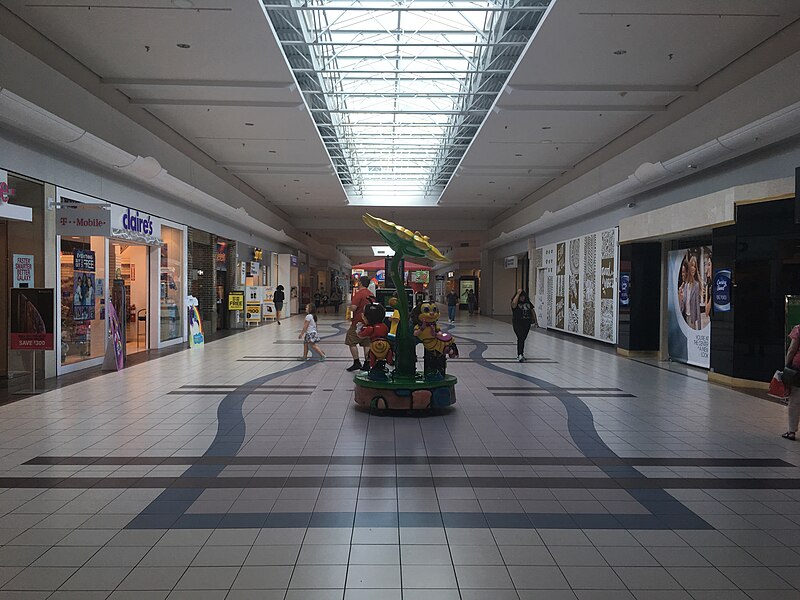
x: 582, y: 430
x: 231, y: 430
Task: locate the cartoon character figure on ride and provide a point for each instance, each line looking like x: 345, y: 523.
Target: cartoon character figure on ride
x: 438, y: 344
x: 380, y: 351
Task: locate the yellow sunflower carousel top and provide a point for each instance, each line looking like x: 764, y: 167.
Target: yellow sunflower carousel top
x: 404, y: 241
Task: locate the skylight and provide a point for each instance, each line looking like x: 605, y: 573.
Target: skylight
x: 398, y: 88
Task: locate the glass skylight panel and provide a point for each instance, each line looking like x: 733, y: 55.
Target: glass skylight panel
x: 398, y: 88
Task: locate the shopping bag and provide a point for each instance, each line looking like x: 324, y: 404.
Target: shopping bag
x: 777, y: 388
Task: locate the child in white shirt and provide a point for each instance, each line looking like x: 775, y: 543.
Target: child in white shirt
x: 309, y: 333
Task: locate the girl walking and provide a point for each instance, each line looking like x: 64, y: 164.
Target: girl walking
x: 309, y: 333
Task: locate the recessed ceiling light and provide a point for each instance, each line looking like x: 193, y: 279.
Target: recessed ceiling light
x: 518, y: 155
x: 273, y: 151
x: 620, y: 52
x: 547, y: 127
x: 249, y: 124
x: 491, y: 182
x: 184, y: 46
x: 297, y: 180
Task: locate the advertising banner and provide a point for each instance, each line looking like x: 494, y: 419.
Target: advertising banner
x: 23, y: 270
x: 624, y: 289
x: 83, y: 299
x: 722, y: 291
x: 84, y: 260
x: 689, y: 301
x: 115, y: 357
x: 31, y: 324
x: 236, y: 301
x: 253, y: 314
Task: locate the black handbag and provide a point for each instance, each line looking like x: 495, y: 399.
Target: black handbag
x: 791, y: 376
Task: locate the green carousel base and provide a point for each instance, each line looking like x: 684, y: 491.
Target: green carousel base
x: 416, y: 394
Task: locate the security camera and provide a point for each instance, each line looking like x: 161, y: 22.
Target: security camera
x: 631, y: 204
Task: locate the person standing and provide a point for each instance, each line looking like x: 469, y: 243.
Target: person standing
x: 277, y: 299
x: 523, y: 316
x: 793, y: 362
x: 452, y: 302
x: 336, y: 298
x: 472, y: 301
x: 358, y: 302
x: 325, y: 301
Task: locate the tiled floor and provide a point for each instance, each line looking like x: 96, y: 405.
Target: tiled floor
x: 235, y: 471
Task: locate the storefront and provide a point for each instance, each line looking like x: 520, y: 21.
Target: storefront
x: 576, y: 285
x: 724, y: 267
x: 22, y: 258
x: 116, y: 257
x: 211, y: 273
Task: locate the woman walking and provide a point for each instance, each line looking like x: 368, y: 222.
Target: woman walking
x: 523, y: 316
x: 278, y: 298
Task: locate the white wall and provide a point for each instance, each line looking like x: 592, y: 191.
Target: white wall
x: 47, y: 164
x: 776, y: 162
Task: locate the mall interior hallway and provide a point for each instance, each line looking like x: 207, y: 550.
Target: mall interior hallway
x: 236, y: 471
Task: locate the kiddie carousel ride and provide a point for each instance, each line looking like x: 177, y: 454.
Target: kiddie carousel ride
x: 393, y: 382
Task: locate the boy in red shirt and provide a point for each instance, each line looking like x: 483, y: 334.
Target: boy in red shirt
x: 359, y: 300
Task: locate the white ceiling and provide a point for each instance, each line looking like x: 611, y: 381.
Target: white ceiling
x: 569, y: 82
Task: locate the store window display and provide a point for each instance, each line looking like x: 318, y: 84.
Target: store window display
x: 83, y: 280
x: 170, y: 296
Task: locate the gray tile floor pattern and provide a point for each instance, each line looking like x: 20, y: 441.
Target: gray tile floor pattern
x: 66, y: 539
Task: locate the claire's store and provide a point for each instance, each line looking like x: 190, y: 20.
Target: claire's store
x: 116, y: 260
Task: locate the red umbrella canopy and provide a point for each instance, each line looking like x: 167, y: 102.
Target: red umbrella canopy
x: 379, y: 264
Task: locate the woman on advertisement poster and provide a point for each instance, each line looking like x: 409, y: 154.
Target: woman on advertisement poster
x: 689, y: 294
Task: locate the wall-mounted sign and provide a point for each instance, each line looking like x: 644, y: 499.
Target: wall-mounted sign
x: 258, y: 254
x: 83, y: 260
x: 83, y: 220
x: 8, y: 210
x: 255, y: 267
x: 134, y: 225
x: 624, y: 289
x: 421, y: 276
x: 236, y: 301
x: 221, y: 257
x: 5, y: 191
x: 23, y: 270
x: 510, y: 262
x: 242, y: 272
x: 451, y: 273
x: 31, y: 324
x: 722, y: 291
x: 292, y: 261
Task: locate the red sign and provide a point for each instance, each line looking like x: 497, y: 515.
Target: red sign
x: 5, y: 192
x: 31, y: 325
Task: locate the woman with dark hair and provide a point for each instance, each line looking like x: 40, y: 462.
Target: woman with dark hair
x: 523, y: 316
x: 278, y: 298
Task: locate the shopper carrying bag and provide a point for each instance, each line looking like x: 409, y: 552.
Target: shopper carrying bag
x: 791, y: 378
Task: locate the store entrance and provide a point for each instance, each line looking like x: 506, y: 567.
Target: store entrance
x: 130, y: 291
x: 4, y: 286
